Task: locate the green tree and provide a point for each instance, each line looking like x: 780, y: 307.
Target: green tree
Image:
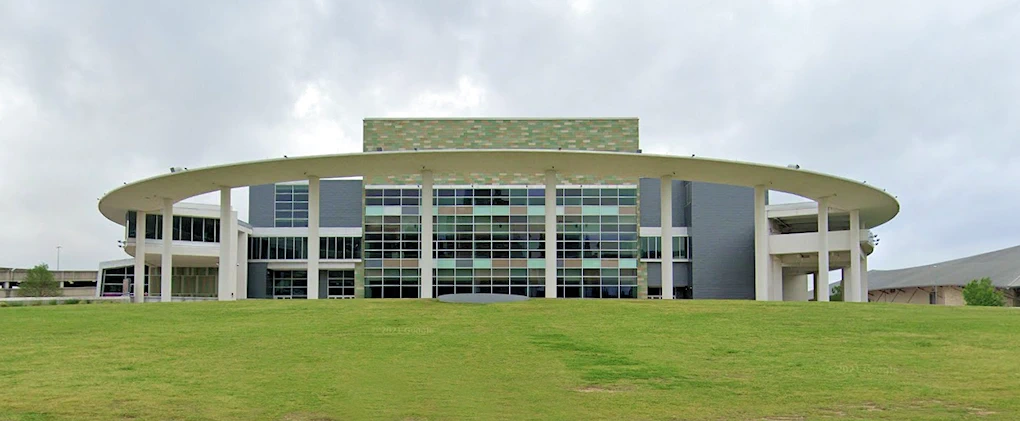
x: 39, y: 282
x: 981, y: 292
x: 837, y: 293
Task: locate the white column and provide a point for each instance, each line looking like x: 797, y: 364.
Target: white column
x: 822, y: 277
x: 139, y: 257
x: 852, y: 289
x: 241, y: 266
x: 550, y: 234
x: 426, y: 262
x: 775, y: 284
x: 795, y: 288
x: 166, y: 263
x: 666, y: 222
x: 761, y: 245
x: 313, y: 238
x: 225, y: 284
x: 864, y: 279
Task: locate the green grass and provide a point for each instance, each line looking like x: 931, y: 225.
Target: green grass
x: 541, y: 359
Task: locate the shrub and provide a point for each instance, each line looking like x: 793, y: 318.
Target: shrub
x: 72, y: 301
x: 39, y: 282
x: 837, y: 293
x: 981, y: 292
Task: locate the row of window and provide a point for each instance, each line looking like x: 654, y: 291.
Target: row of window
x: 296, y: 248
x: 184, y: 281
x: 186, y: 228
x: 294, y: 283
x: 651, y: 248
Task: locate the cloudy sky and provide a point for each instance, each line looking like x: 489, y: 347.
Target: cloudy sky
x: 919, y: 97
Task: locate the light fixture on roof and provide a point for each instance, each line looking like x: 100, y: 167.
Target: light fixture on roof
x: 793, y: 166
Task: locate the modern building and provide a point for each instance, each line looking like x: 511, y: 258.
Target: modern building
x: 491, y: 195
x: 942, y: 283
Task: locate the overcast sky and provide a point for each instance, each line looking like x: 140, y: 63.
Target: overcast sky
x: 919, y: 97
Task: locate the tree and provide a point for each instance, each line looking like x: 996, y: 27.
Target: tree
x: 837, y: 293
x: 39, y: 282
x: 981, y: 292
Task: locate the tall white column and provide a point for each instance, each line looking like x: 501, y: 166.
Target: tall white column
x: 241, y: 265
x: 666, y: 222
x: 426, y: 262
x: 761, y: 245
x: 139, y: 257
x: 313, y: 238
x: 822, y: 277
x: 166, y: 263
x: 225, y: 284
x: 775, y: 283
x: 864, y: 279
x: 550, y: 234
x: 852, y: 289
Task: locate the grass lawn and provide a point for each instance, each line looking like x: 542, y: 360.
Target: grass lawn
x: 541, y: 359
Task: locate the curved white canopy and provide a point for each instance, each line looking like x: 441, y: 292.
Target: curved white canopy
x: 876, y: 206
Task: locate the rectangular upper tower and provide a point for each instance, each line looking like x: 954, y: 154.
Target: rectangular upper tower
x: 590, y: 134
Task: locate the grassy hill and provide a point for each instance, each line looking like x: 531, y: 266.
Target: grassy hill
x: 561, y: 359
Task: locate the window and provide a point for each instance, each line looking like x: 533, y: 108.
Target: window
x: 340, y: 283
x: 291, y: 205
x: 340, y: 248
x: 651, y: 248
x: 288, y: 284
x: 186, y: 228
x: 277, y: 248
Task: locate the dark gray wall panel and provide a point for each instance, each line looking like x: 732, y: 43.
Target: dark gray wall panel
x: 261, y: 205
x: 654, y: 274
x: 648, y: 190
x: 340, y: 203
x: 323, y: 285
x: 722, y: 241
x: 681, y: 274
x: 257, y: 280
x: 651, y: 205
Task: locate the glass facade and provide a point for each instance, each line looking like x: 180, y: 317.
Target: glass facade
x: 188, y: 281
x: 597, y: 242
x: 291, y: 205
x: 489, y: 240
x: 492, y: 240
x: 186, y: 228
x: 119, y: 281
x: 392, y: 242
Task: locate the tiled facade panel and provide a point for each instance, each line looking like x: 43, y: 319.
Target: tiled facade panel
x: 617, y: 135
x: 340, y: 204
x: 651, y: 204
x: 722, y: 241
x: 260, y: 205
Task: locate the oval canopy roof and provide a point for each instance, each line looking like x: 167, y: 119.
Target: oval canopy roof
x: 876, y: 206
